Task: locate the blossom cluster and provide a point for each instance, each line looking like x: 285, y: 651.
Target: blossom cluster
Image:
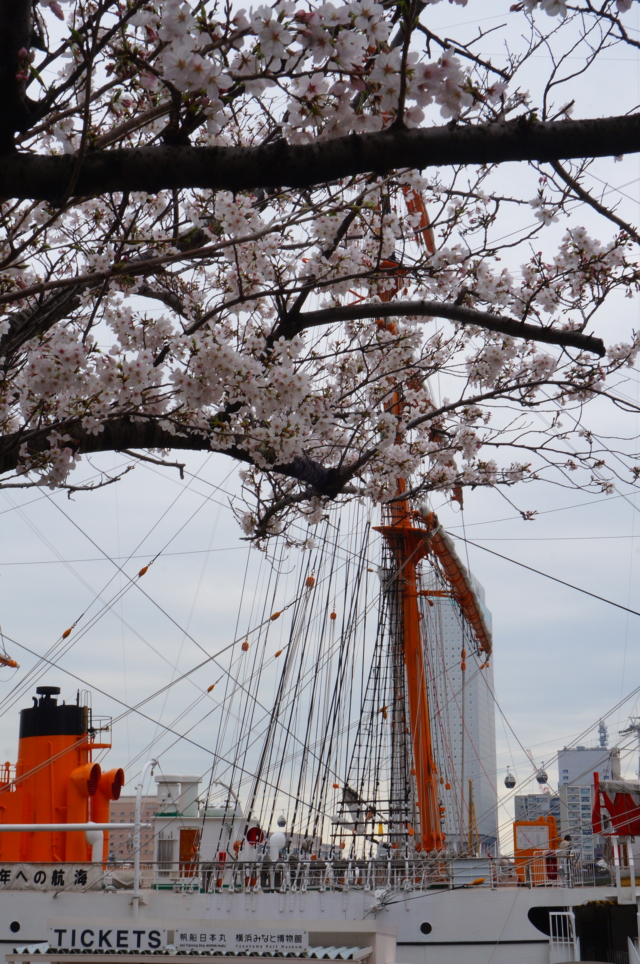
x: 220, y: 341
x: 333, y: 62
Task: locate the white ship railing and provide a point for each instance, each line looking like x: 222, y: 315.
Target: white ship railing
x: 293, y: 875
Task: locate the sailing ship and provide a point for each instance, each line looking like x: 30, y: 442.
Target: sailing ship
x: 336, y: 820
x: 332, y: 822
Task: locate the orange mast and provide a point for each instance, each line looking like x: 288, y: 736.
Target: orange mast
x: 409, y: 545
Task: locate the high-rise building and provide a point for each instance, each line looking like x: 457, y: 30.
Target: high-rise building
x: 576, y: 805
x: 531, y: 806
x: 463, y: 722
x: 576, y: 766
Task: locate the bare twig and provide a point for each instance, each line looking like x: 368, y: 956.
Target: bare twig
x: 180, y: 466
x: 589, y: 199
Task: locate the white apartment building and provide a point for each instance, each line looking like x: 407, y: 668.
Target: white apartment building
x: 576, y: 766
x: 576, y: 805
x: 462, y: 720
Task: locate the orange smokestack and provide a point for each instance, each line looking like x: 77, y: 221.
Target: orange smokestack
x: 55, y: 781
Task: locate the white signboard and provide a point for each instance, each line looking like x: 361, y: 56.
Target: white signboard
x: 221, y: 936
x: 124, y: 934
x: 69, y: 877
x: 532, y: 838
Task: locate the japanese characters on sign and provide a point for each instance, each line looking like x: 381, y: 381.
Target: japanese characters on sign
x: 275, y: 940
x: 232, y: 938
x: 70, y: 877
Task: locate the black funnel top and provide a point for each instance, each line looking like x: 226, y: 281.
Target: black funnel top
x: 48, y: 690
x: 46, y: 718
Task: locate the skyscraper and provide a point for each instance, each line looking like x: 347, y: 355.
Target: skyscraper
x: 463, y: 722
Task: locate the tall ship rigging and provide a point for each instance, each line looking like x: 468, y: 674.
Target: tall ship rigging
x: 333, y: 818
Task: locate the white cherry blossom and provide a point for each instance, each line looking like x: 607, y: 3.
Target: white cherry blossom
x: 194, y: 319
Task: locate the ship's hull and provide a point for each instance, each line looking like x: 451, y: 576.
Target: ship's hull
x: 467, y: 926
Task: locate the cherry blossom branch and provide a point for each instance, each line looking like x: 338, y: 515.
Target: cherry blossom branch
x: 408, y: 26
x: 473, y: 400
x: 133, y: 268
x: 462, y: 51
x: 169, y: 167
x: 465, y: 316
x: 124, y: 433
x: 261, y: 529
x: 42, y: 107
x: 71, y: 489
x: 277, y: 506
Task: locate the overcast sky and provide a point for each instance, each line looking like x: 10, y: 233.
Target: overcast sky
x: 562, y: 659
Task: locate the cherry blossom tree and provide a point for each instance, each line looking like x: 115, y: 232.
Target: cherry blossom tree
x: 278, y: 233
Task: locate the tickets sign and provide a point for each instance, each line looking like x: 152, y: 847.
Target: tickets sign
x: 90, y: 935
x: 235, y: 937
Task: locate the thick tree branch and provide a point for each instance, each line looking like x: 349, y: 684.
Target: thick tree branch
x: 168, y: 298
x: 15, y: 35
x: 30, y: 322
x: 123, y: 433
x: 277, y: 164
x: 133, y: 124
x: 464, y: 316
